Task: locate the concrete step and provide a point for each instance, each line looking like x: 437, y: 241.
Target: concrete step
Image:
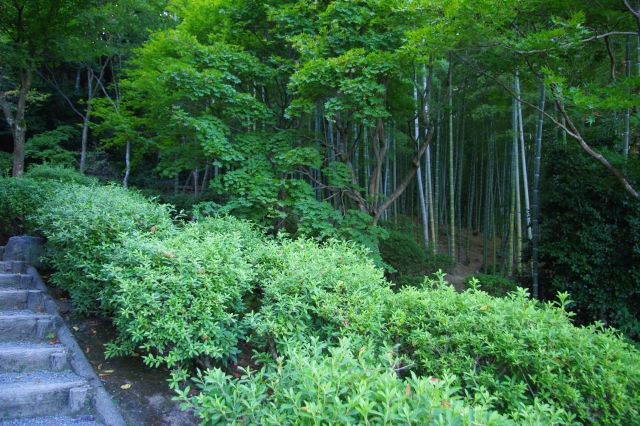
x: 13, y: 267
x: 26, y: 325
x: 20, y: 298
x: 41, y: 394
x: 21, y: 357
x: 86, y: 420
x: 16, y: 281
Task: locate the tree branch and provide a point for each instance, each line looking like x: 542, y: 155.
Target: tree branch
x: 585, y: 40
x: 415, y: 163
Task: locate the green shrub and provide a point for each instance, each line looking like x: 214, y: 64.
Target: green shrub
x: 512, y: 351
x: 438, y: 262
x: 51, y: 146
x: 20, y: 198
x: 55, y: 173
x: 84, y: 227
x: 403, y: 253
x: 311, y: 289
x: 495, y: 285
x: 6, y: 164
x: 348, y: 384
x: 408, y: 258
x: 181, y: 298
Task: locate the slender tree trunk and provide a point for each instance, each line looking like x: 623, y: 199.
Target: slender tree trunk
x: 205, y: 178
x: 86, y: 121
x: 535, y: 213
x: 514, y: 185
x: 627, y: 112
x: 421, y: 192
x: 638, y: 75
x: 437, y: 177
x: 518, y: 235
x: 195, y: 182
x: 432, y: 218
x: 523, y: 155
x: 127, y: 163
x: 452, y: 210
x: 516, y: 153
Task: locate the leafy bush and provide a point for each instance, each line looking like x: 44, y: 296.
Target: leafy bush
x: 438, y: 262
x: 512, y: 351
x: 20, y: 198
x: 410, y: 260
x: 6, y: 163
x: 181, y: 298
x: 319, y: 290
x: 347, y: 384
x: 204, y: 292
x: 42, y: 172
x: 49, y: 147
x: 495, y: 285
x: 403, y: 253
x: 85, y: 226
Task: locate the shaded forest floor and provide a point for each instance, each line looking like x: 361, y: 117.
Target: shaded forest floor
x: 470, y: 257
x: 141, y: 393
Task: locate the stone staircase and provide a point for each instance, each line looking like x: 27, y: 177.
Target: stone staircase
x: 45, y: 379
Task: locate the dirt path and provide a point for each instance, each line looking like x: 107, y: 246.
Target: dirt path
x: 471, y: 258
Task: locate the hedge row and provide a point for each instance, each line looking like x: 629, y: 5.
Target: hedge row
x: 331, y: 341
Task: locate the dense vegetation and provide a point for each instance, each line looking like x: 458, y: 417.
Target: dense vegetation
x: 330, y: 339
x: 268, y: 197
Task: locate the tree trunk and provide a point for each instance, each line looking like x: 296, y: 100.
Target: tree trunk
x: 421, y: 191
x: 627, y: 112
x: 19, y: 136
x: 511, y: 234
x: 452, y: 210
x: 17, y: 122
x: 127, y: 162
x: 205, y: 179
x: 86, y: 121
x: 523, y: 155
x: 535, y: 213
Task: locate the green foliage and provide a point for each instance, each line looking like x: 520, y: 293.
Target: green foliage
x: 48, y: 147
x: 84, y: 226
x: 19, y: 199
x: 6, y: 162
x: 319, y: 290
x: 590, y: 241
x: 401, y: 251
x: 495, y: 285
x: 512, y: 352
x: 347, y: 384
x: 180, y: 298
x: 411, y: 261
x: 46, y: 172
x: 207, y: 292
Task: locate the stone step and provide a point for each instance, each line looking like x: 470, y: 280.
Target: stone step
x: 13, y: 267
x: 21, y: 357
x: 86, y: 420
x: 20, y: 298
x: 41, y: 394
x: 26, y: 325
x: 16, y: 281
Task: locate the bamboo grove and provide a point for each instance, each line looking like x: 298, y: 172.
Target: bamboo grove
x: 337, y: 118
